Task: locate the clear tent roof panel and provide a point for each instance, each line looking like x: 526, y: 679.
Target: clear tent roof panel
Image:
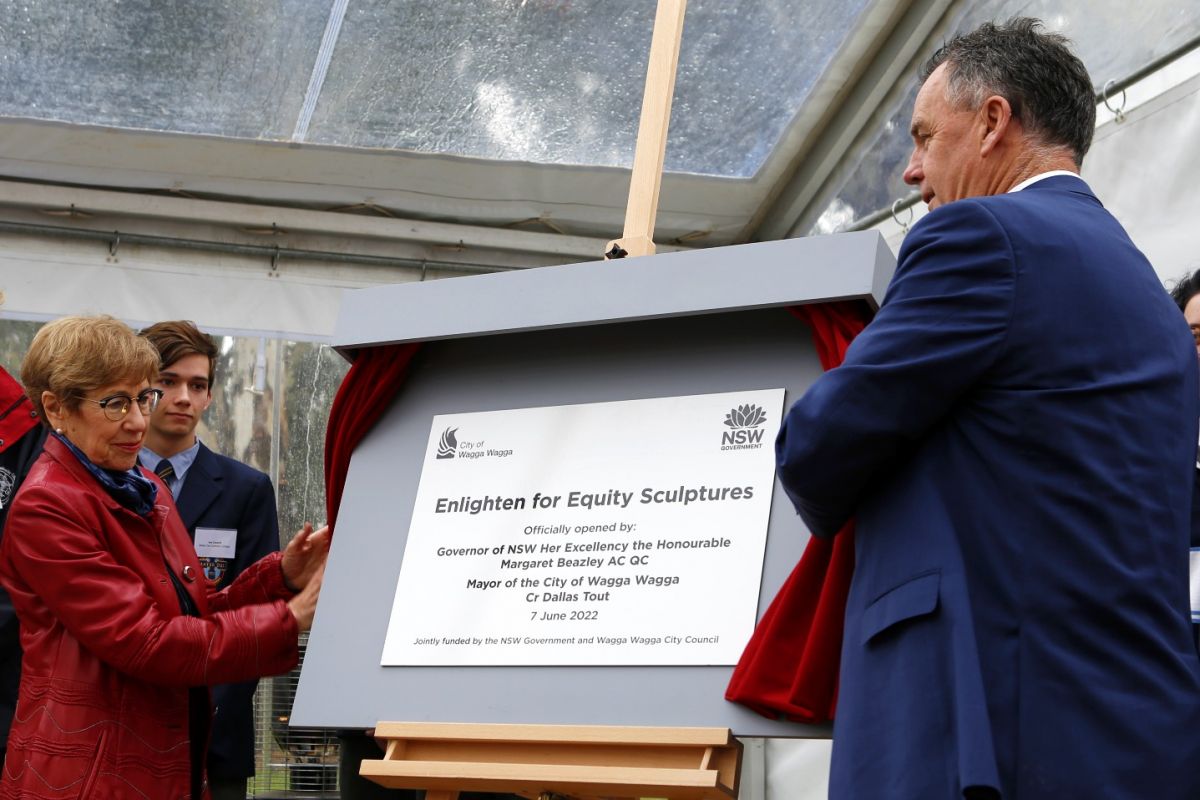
x: 560, y: 81
x: 1112, y: 37
x: 222, y: 67
x: 790, y: 116
x: 543, y: 81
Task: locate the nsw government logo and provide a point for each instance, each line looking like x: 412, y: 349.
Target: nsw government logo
x: 448, y: 444
x: 745, y: 432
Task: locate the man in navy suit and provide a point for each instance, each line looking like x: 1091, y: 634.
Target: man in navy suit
x: 227, y: 507
x: 1015, y: 434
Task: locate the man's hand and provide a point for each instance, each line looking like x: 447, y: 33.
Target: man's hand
x: 304, y: 556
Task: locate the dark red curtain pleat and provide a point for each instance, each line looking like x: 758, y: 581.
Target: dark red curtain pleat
x: 368, y: 388
x: 789, y: 668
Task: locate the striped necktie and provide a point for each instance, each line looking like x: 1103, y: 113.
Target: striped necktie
x: 165, y: 471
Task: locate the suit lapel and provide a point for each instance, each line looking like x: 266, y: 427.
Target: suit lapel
x: 201, y: 488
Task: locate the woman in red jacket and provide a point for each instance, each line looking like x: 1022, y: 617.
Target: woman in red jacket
x: 121, y: 636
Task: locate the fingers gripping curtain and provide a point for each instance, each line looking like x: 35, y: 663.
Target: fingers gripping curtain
x: 789, y: 668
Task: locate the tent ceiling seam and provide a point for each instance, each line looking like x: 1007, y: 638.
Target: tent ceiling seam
x: 272, y: 253
x: 78, y: 202
x: 316, y: 82
x: 795, y: 193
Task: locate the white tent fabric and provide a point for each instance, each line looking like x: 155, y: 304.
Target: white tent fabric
x: 43, y: 282
x: 48, y: 274
x: 1144, y: 169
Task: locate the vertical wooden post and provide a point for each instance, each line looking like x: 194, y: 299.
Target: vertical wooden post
x: 642, y: 207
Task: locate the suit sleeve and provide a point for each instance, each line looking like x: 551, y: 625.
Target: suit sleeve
x: 261, y: 519
x: 107, y: 608
x: 941, y: 328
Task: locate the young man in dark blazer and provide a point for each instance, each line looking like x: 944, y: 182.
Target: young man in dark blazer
x: 229, y: 511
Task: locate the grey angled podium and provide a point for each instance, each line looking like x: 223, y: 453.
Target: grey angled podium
x: 667, y: 325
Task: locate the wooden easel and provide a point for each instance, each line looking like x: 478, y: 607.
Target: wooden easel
x: 585, y: 762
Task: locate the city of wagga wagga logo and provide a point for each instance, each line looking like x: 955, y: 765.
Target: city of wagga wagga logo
x: 447, y: 444
x: 745, y: 433
x: 450, y: 446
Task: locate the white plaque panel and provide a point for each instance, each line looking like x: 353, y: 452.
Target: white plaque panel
x: 624, y: 533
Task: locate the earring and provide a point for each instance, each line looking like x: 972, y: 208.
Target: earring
x: 58, y: 431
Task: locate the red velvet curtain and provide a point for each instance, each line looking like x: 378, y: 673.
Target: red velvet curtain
x: 789, y: 668
x: 17, y: 416
x: 370, y: 385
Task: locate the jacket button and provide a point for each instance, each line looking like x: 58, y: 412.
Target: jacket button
x: 189, y: 574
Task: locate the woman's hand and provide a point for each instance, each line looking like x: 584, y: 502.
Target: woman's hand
x: 304, y: 555
x: 304, y: 605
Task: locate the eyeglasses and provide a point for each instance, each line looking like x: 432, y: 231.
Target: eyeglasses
x: 116, y: 406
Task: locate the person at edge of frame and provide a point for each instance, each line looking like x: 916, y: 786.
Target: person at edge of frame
x: 1186, y: 294
x: 21, y: 439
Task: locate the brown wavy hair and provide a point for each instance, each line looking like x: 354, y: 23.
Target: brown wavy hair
x: 179, y: 338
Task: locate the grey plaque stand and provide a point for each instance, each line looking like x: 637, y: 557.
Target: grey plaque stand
x: 667, y: 325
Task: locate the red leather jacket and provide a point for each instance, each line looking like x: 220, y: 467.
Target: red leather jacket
x: 109, y: 657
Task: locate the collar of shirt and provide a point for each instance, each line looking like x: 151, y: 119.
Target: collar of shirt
x: 181, y: 462
x: 1025, y: 184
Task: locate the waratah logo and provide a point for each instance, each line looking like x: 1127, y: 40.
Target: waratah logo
x: 744, y: 433
x: 448, y: 444
x: 745, y: 416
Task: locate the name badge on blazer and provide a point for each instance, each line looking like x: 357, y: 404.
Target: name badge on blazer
x: 1194, y: 582
x: 216, y: 542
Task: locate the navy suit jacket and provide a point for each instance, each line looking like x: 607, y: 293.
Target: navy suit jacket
x: 1015, y: 433
x: 219, y: 492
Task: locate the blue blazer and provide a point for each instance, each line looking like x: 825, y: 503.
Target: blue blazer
x: 219, y: 492
x: 1016, y: 433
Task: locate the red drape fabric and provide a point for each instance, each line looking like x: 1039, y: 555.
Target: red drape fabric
x: 366, y: 391
x: 789, y: 668
x: 17, y: 416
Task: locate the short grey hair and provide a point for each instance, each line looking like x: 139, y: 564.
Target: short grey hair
x: 1046, y: 84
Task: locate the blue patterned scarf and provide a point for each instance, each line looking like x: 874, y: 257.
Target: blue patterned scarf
x: 130, y: 489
